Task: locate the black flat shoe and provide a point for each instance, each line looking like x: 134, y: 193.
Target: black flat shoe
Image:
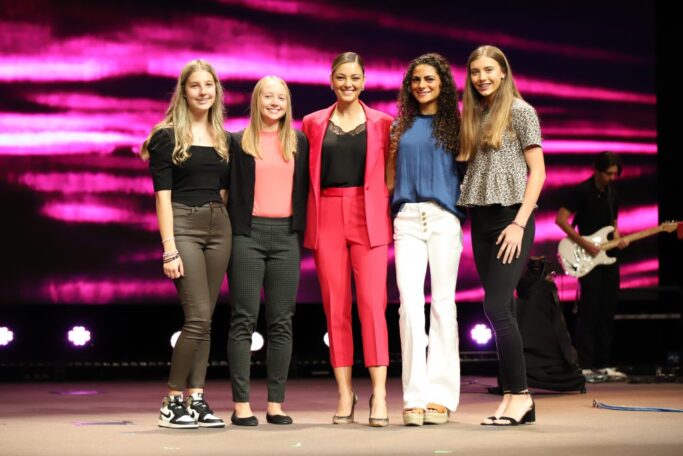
x: 246, y: 421
x: 279, y: 419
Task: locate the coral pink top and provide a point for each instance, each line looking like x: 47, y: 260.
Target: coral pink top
x: 274, y: 179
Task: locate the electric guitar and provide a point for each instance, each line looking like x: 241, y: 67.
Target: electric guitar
x: 576, y: 262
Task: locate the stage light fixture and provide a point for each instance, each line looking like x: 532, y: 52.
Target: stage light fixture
x: 174, y: 338
x: 326, y: 339
x: 256, y: 341
x: 481, y: 334
x: 79, y: 336
x: 6, y: 336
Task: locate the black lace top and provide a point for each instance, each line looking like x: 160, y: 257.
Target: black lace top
x: 343, y: 157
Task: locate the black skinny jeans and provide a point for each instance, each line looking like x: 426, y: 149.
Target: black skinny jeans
x: 499, y: 281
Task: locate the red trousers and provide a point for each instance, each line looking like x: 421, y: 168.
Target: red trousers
x: 343, y: 246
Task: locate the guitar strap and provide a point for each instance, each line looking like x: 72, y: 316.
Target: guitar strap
x: 610, y: 204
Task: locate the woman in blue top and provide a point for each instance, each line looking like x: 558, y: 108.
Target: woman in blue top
x: 424, y: 143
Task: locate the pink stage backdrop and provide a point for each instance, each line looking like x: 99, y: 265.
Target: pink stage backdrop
x: 81, y: 85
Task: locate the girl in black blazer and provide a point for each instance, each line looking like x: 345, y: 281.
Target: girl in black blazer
x: 267, y: 205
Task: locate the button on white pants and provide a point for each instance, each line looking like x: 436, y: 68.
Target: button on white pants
x: 424, y: 233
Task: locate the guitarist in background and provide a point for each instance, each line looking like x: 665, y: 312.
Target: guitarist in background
x: 594, y: 204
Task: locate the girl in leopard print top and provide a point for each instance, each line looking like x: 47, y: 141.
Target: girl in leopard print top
x: 501, y: 140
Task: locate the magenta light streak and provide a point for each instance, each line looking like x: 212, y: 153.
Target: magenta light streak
x: 476, y: 294
x: 98, y: 213
x: 90, y: 102
x: 92, y: 291
x: 58, y: 143
x: 567, y: 176
x: 56, y: 68
x: 640, y: 282
x: 563, y: 90
x: 580, y: 129
x: 567, y: 288
x: 439, y: 31
x: 640, y: 268
x: 85, y: 291
x: 82, y: 122
x: 139, y: 257
x: 560, y: 146
x: 247, y: 55
x: 80, y: 133
x: 84, y: 183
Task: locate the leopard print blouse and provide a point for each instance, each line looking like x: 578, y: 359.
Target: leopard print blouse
x: 498, y: 176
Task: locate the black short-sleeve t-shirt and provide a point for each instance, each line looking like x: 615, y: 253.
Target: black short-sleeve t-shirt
x: 592, y: 208
x: 197, y: 181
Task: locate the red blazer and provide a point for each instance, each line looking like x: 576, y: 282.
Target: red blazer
x: 375, y: 192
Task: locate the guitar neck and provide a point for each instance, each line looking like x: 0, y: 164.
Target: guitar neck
x: 631, y: 237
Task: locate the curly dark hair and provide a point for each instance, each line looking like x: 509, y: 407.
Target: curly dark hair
x: 446, y: 123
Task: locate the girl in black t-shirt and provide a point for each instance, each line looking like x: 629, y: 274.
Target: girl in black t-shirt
x: 188, y: 158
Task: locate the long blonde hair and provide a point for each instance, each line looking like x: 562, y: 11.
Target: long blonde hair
x: 178, y: 119
x: 286, y: 134
x: 473, y: 134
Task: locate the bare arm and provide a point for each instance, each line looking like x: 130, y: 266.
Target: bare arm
x: 511, y: 237
x: 173, y: 269
x: 562, y: 220
x: 224, y: 195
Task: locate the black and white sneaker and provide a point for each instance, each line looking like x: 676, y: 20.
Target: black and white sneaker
x: 199, y: 410
x: 174, y: 415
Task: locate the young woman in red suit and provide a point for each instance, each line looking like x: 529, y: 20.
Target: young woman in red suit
x: 348, y: 227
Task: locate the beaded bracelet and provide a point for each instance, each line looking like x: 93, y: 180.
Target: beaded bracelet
x: 514, y: 222
x: 169, y: 253
x: 167, y: 239
x: 173, y: 258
